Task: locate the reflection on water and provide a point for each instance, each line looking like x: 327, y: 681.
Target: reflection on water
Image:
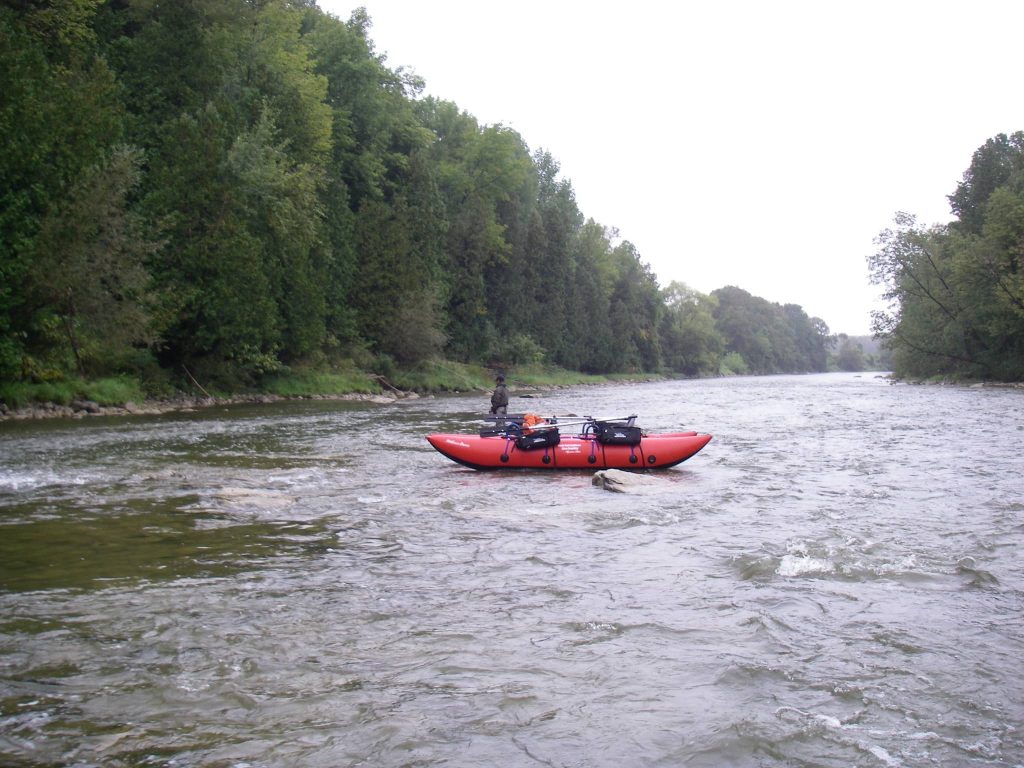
x: 100, y: 548
x: 833, y: 581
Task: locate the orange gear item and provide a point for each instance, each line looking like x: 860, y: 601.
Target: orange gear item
x: 530, y: 420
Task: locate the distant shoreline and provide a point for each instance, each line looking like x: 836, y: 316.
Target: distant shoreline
x: 80, y: 409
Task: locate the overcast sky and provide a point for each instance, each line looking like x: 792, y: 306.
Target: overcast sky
x: 758, y: 144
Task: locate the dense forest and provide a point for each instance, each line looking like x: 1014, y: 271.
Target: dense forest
x: 227, y: 189
x: 956, y: 291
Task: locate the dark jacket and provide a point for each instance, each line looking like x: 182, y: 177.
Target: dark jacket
x: 500, y: 398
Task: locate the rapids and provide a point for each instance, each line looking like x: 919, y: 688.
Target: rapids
x: 835, y: 580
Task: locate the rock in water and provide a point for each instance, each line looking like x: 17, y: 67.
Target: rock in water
x: 620, y: 481
x: 254, y: 498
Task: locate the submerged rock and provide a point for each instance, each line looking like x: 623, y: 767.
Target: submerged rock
x: 621, y: 481
x: 254, y: 498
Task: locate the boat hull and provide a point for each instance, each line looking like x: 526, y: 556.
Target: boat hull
x: 656, y: 451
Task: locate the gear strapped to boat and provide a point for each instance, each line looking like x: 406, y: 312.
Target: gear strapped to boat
x: 530, y: 441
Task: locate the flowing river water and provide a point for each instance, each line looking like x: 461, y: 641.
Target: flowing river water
x: 835, y: 580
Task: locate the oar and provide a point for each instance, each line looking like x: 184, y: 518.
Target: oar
x: 570, y: 416
x: 547, y: 425
x: 521, y: 416
x: 519, y: 428
x: 557, y: 420
x: 504, y: 417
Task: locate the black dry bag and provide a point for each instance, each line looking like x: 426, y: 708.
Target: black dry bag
x: 617, y: 434
x: 545, y: 438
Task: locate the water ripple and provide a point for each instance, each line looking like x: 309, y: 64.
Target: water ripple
x: 834, y: 581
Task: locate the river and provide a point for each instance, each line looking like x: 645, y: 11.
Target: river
x: 835, y: 580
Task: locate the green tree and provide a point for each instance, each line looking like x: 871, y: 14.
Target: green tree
x: 558, y: 226
x: 481, y: 175
x: 59, y: 116
x: 516, y: 294
x: 690, y: 343
x: 931, y: 322
x: 770, y: 338
x: 217, y: 304
x: 277, y: 203
x: 354, y: 172
x: 1000, y: 256
x: 745, y: 322
x: 850, y: 356
x: 225, y: 96
x: 385, y: 216
x: 635, y: 309
x: 997, y: 163
x: 588, y: 300
x: 88, y: 280
x: 396, y: 291
x: 810, y: 336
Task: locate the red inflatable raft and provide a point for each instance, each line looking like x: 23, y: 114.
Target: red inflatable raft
x: 599, y: 445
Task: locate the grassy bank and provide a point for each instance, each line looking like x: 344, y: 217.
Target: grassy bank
x: 435, y: 376
x: 109, y: 391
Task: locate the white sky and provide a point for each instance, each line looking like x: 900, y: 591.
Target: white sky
x: 757, y: 144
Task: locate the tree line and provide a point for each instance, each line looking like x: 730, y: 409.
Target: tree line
x: 956, y: 290
x: 229, y: 188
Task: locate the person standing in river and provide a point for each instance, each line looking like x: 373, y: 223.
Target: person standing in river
x: 499, y: 399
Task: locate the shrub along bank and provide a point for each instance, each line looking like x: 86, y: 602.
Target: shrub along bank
x: 75, y: 398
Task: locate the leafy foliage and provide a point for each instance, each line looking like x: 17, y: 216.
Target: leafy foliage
x: 770, y: 338
x: 850, y: 355
x: 956, y: 291
x: 88, y: 282
x: 691, y: 343
x: 59, y: 115
x: 237, y: 191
